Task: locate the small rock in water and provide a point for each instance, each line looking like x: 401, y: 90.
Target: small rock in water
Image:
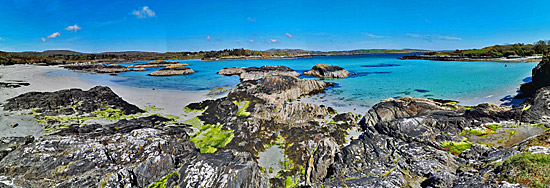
x: 14, y: 125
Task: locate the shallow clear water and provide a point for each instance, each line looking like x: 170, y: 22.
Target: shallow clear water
x: 378, y: 77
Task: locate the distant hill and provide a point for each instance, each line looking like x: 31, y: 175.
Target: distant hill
x: 54, y: 56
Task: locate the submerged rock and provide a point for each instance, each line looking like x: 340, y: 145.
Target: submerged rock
x: 327, y: 71
x: 139, y: 69
x: 173, y: 70
x: 159, y: 63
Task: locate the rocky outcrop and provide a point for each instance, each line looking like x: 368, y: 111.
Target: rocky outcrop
x: 173, y: 70
x: 13, y: 84
x: 391, y: 109
x: 133, y: 153
x: 540, y: 79
x: 231, y: 71
x: 255, y: 73
x: 71, y: 101
x: 159, y: 63
x: 327, y: 71
x: 537, y: 109
x: 98, y: 68
x: 279, y: 89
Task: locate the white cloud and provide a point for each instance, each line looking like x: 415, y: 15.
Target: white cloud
x: 53, y: 35
x: 145, y: 12
x: 251, y: 41
x: 449, y: 38
x: 430, y: 38
x: 251, y: 19
x: 208, y: 37
x: 373, y: 36
x: 74, y: 28
x: 288, y: 35
x: 43, y: 39
x: 273, y: 41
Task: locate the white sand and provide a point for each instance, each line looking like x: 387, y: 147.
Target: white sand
x: 172, y: 101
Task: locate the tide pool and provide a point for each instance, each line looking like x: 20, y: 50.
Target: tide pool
x: 378, y: 77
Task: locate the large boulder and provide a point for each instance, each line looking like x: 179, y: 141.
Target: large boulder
x: 327, y: 71
x: 173, y: 70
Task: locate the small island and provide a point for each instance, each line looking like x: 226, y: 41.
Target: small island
x: 327, y: 71
x: 173, y: 70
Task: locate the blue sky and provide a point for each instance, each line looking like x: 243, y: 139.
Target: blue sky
x: 157, y: 25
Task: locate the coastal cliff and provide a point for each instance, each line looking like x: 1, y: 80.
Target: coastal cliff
x: 261, y: 135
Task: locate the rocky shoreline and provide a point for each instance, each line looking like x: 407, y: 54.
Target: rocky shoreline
x: 96, y: 139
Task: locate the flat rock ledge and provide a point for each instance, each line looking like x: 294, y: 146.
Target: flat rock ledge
x: 173, y: 70
x: 255, y: 73
x: 327, y: 71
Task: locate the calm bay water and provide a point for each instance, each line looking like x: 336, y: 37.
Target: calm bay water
x: 378, y: 77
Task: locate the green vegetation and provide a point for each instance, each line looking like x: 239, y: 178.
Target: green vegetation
x: 290, y: 182
x: 457, y: 147
x: 162, y: 182
x: 195, y: 122
x: 508, y: 50
x: 211, y: 137
x: 242, y: 108
x: 493, y: 127
x: 477, y: 131
x: 528, y: 169
x: 189, y: 110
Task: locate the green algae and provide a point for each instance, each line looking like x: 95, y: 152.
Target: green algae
x: 162, y: 182
x: 457, y: 147
x: 194, y: 122
x: 291, y: 182
x: 242, y: 108
x: 211, y: 137
x: 189, y: 110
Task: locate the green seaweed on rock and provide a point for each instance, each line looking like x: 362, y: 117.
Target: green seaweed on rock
x: 456, y: 147
x: 162, y: 182
x: 211, y: 137
x: 242, y: 108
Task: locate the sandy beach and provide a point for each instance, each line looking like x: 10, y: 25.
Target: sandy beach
x: 166, y: 101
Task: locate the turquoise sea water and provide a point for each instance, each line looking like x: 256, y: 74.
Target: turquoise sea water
x: 378, y: 77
